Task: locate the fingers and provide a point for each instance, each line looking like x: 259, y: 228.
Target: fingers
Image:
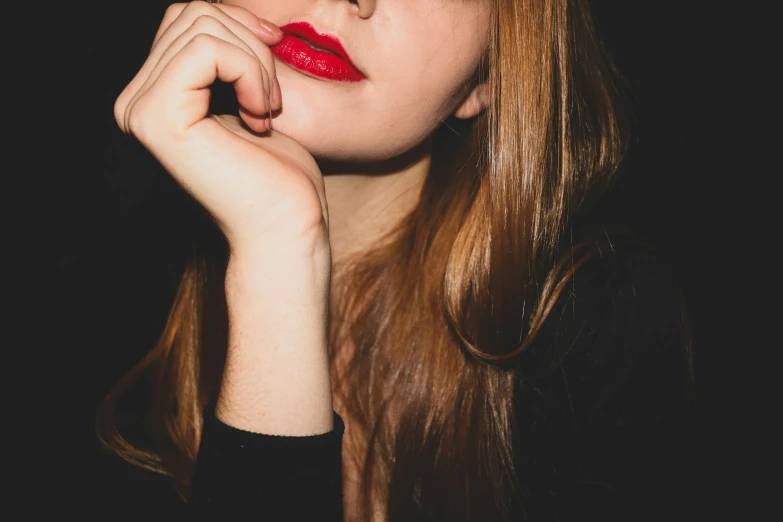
x: 230, y: 23
x: 179, y: 14
x: 178, y: 98
x: 258, y: 34
x: 205, y: 25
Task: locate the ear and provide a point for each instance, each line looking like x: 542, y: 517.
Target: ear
x: 475, y: 102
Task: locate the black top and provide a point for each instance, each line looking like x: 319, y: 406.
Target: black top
x: 601, y: 403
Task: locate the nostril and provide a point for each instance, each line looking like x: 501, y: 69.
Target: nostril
x: 365, y: 7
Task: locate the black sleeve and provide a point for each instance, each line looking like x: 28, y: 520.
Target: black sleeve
x: 605, y: 417
x: 249, y: 476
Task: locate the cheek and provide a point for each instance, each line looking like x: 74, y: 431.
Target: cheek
x: 360, y: 122
x: 372, y: 121
x: 417, y: 72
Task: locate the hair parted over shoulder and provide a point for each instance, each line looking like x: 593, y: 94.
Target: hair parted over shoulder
x: 437, y: 311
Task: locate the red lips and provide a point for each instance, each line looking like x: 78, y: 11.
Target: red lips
x: 331, y: 61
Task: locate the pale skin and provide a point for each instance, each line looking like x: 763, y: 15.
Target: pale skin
x: 288, y: 220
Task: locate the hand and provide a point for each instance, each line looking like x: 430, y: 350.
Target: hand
x: 265, y: 192
x: 263, y: 189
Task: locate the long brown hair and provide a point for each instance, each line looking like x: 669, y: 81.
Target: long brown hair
x: 435, y: 313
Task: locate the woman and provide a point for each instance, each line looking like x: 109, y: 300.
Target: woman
x: 407, y: 319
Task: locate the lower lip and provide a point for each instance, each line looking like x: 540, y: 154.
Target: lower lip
x: 295, y: 52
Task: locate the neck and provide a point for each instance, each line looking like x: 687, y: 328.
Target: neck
x: 367, y: 201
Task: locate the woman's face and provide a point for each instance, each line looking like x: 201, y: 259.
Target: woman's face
x: 416, y: 56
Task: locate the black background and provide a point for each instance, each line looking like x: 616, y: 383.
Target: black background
x: 111, y: 236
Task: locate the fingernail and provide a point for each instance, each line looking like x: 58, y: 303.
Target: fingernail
x: 266, y: 84
x: 277, y: 96
x: 269, y: 113
x: 269, y: 26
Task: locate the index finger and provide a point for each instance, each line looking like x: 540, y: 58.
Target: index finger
x: 263, y: 29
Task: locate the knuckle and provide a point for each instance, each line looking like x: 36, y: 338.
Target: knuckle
x: 203, y: 42
x: 174, y: 10
x: 198, y: 7
x: 119, y: 112
x: 203, y: 21
x: 136, y: 119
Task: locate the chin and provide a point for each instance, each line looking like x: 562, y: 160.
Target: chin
x: 330, y: 120
x: 306, y: 116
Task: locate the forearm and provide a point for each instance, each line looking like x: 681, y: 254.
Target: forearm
x: 276, y: 378
x: 272, y: 448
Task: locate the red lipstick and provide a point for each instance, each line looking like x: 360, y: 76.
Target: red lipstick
x: 319, y: 55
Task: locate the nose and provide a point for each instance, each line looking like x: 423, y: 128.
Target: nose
x: 365, y: 8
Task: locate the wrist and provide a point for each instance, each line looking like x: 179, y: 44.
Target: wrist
x: 283, y: 247
x: 296, y: 274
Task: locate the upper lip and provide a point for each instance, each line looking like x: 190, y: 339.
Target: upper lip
x: 326, y: 41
